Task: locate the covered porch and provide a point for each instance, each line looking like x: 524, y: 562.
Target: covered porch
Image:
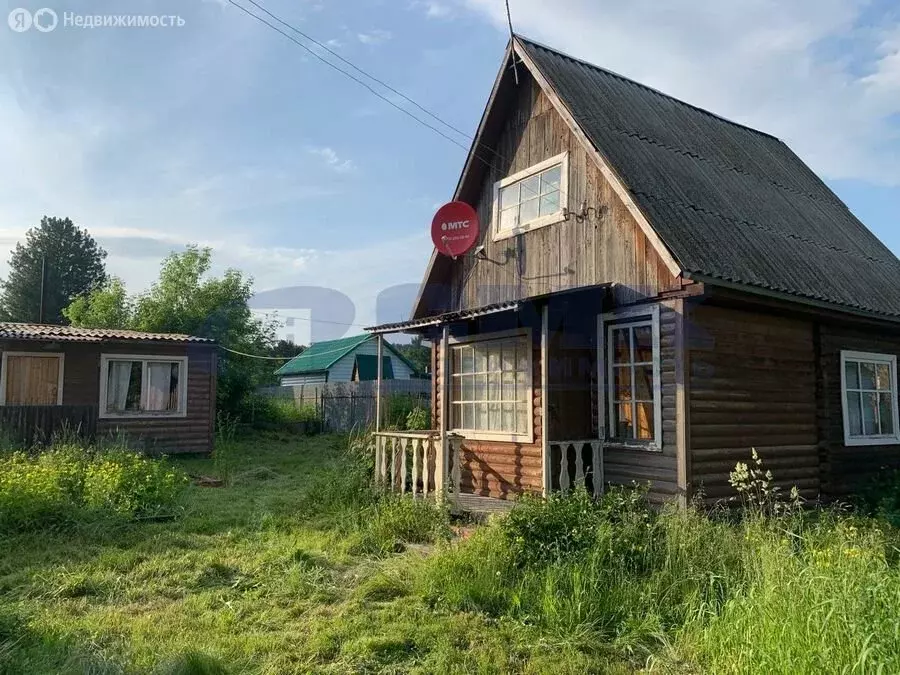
x: 514, y: 405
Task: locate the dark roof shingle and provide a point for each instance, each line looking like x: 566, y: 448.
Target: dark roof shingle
x: 729, y: 202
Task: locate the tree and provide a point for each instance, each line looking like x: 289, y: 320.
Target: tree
x: 186, y: 299
x: 74, y: 266
x: 286, y: 348
x: 417, y: 353
x: 106, y: 307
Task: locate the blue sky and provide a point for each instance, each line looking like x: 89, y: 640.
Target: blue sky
x: 224, y: 133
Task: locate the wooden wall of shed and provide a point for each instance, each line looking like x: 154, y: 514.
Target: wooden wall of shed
x: 81, y: 386
x: 495, y: 468
x: 606, y: 246
x: 625, y: 466
x: 845, y: 469
x: 752, y: 384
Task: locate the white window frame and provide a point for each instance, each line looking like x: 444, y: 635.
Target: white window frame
x: 3, y: 370
x: 869, y: 357
x: 482, y: 435
x: 540, y: 221
x: 145, y: 359
x: 645, y: 315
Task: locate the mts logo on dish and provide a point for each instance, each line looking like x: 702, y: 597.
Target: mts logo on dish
x: 455, y: 225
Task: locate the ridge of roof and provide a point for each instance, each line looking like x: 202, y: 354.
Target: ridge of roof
x: 647, y: 87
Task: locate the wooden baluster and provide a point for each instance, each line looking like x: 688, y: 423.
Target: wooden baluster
x: 404, y: 443
x: 427, y: 446
x: 385, y: 446
x: 416, y: 445
x: 597, y: 468
x: 579, y: 465
x: 564, y: 467
x: 393, y: 464
x: 377, y: 459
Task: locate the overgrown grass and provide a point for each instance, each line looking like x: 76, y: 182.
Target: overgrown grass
x: 69, y: 483
x: 297, y: 565
x: 802, y: 593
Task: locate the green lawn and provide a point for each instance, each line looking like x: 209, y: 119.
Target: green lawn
x: 297, y: 565
x: 252, y: 578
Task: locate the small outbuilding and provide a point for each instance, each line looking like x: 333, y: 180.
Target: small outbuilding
x: 349, y: 359
x: 157, y: 389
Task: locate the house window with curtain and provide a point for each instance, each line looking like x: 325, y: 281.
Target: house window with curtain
x: 491, y: 388
x: 869, y: 398
x: 633, y: 378
x: 136, y: 386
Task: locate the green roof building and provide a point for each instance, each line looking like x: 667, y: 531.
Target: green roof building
x: 345, y: 360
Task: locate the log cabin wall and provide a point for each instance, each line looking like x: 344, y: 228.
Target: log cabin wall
x: 81, y: 386
x: 752, y: 384
x: 845, y: 469
x: 497, y: 468
x: 656, y: 469
x: 605, y: 246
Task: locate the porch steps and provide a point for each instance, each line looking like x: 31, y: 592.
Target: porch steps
x: 468, y: 503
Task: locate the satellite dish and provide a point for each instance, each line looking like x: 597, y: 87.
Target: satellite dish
x: 454, y: 229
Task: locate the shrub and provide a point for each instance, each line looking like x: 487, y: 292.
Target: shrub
x: 399, y: 407
x: 418, y: 419
x: 69, y: 483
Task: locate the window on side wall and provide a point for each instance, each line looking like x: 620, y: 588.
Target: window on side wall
x: 633, y: 390
x: 143, y: 386
x: 531, y: 198
x: 869, y: 398
x: 491, y: 389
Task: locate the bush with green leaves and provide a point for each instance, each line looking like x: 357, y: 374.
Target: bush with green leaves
x: 66, y: 484
x: 881, y: 497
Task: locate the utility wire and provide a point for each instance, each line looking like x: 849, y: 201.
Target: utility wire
x: 361, y: 82
x: 257, y: 356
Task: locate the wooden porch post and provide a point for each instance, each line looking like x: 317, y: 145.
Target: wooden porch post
x: 442, y: 457
x: 380, y: 350
x: 545, y: 422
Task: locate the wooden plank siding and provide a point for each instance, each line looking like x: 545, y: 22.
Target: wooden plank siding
x: 752, y: 384
x: 845, y: 469
x: 606, y: 245
x: 81, y: 387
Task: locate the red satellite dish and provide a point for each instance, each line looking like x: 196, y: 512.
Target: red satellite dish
x: 454, y: 229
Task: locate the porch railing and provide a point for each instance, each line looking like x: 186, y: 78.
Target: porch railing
x: 410, y: 461
x: 577, y: 463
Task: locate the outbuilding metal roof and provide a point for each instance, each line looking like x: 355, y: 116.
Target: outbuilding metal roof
x: 729, y: 202
x: 320, y: 356
x: 38, y: 331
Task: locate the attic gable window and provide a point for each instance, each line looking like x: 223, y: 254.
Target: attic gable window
x: 531, y: 198
x: 869, y: 398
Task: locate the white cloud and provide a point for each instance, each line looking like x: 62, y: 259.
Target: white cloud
x: 433, y: 9
x: 333, y: 161
x: 376, y: 36
x: 808, y: 71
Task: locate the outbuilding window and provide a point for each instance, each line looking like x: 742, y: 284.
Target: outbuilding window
x: 490, y: 384
x: 632, y: 378
x: 869, y: 387
x: 138, y: 385
x: 531, y: 198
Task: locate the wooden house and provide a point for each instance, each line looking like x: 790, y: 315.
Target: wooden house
x: 349, y: 359
x: 657, y: 290
x: 158, y: 389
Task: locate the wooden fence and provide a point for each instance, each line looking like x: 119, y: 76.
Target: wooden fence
x: 344, y: 406
x: 30, y: 425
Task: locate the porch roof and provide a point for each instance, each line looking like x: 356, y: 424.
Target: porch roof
x: 447, y: 317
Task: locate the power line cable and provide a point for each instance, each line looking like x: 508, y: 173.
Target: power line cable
x: 361, y: 82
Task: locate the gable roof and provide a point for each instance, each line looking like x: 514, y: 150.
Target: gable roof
x: 732, y: 205
x: 40, y: 331
x: 320, y: 356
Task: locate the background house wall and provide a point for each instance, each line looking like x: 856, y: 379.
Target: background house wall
x: 81, y: 386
